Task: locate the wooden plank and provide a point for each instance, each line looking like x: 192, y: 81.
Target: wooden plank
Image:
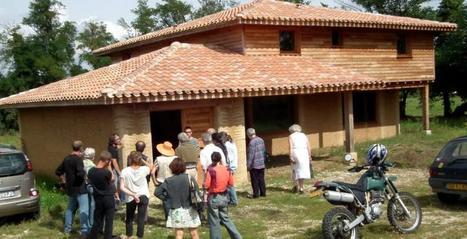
x: 425, y: 92
x: 349, y: 122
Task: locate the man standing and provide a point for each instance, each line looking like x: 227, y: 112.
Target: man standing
x: 101, y: 177
x: 72, y: 171
x: 189, y: 153
x: 255, y: 163
x: 191, y: 139
x: 145, y: 160
x: 209, y: 148
x: 113, y: 145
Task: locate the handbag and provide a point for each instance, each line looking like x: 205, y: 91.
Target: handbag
x: 196, y: 200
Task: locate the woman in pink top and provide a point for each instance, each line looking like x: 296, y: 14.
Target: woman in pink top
x: 218, y: 178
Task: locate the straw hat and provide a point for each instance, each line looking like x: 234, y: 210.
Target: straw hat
x: 166, y: 149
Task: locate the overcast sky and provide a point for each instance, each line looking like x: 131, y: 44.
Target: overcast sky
x: 108, y: 11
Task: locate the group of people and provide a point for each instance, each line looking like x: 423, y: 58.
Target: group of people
x: 95, y: 189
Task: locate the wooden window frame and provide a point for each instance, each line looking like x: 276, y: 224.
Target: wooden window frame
x: 340, y: 40
x: 408, y: 46
x: 297, y: 41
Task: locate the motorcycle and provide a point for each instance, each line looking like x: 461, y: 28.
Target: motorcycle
x: 362, y: 203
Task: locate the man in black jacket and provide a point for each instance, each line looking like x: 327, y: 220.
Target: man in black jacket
x: 71, y: 170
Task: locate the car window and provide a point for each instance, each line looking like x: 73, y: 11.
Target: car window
x: 12, y: 164
x: 460, y: 151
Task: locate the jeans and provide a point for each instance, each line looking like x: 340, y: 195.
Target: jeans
x: 257, y: 182
x: 130, y: 214
x: 105, y: 209
x: 218, y: 215
x: 81, y: 202
x: 92, y: 205
x: 232, y: 196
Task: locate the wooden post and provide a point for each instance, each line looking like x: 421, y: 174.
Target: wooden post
x: 348, y: 122
x: 425, y: 92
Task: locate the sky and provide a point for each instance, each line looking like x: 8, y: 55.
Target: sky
x: 108, y: 11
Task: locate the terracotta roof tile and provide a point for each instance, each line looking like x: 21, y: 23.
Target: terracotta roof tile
x: 191, y: 70
x: 271, y: 12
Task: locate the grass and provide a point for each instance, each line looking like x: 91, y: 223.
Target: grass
x: 285, y: 215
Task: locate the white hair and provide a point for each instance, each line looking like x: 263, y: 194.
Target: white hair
x: 207, y: 138
x: 295, y: 128
x: 89, y: 153
x: 183, y: 137
x: 250, y: 132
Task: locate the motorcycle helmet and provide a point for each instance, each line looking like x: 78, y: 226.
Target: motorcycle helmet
x: 376, y: 154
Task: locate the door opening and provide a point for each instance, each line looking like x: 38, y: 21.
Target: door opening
x: 165, y: 126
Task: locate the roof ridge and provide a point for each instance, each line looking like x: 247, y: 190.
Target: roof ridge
x: 127, y: 80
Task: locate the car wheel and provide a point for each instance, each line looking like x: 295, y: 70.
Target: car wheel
x: 448, y: 198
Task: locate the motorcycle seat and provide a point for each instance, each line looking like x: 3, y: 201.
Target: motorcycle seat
x: 353, y: 187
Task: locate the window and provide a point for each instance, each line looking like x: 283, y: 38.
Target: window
x: 336, y: 38
x: 402, y: 45
x: 287, y: 41
x: 272, y: 114
x: 364, y: 107
x: 12, y: 164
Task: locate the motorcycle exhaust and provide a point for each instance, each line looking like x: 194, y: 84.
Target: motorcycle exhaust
x: 338, y: 196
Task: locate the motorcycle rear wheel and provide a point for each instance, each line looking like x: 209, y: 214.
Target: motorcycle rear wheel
x: 334, y: 222
x: 398, y: 219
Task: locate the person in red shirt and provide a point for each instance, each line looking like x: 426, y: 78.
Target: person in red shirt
x: 218, y: 178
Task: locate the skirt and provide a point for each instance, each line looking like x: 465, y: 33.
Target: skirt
x: 183, y: 218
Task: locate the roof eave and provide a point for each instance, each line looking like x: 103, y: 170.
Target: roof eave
x: 98, y: 52
x: 311, y: 89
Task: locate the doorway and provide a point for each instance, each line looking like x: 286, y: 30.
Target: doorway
x: 165, y: 126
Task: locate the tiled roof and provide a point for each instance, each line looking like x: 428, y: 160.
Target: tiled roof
x: 192, y: 71
x: 271, y: 12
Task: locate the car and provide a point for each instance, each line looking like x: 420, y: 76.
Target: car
x: 18, y: 192
x: 448, y: 172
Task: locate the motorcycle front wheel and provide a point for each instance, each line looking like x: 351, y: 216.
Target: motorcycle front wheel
x: 397, y: 216
x: 334, y: 222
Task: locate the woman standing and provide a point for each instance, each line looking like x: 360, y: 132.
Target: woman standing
x: 88, y: 162
x: 163, y: 171
x: 300, y: 158
x: 218, y: 179
x: 135, y: 185
x: 175, y: 191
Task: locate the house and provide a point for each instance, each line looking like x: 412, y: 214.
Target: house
x: 265, y: 64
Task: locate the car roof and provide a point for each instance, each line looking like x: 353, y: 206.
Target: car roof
x: 460, y: 138
x: 9, y: 151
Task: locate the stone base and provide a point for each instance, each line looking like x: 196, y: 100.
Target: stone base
x: 428, y: 132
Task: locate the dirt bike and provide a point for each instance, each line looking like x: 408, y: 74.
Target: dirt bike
x: 362, y: 203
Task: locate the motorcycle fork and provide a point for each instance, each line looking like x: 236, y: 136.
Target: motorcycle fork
x: 394, y: 193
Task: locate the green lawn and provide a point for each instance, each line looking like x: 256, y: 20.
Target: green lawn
x: 285, y: 215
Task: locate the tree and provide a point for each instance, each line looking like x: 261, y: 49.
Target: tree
x: 145, y: 21
x: 42, y: 57
x: 173, y: 12
x: 451, y: 56
x: 94, y: 35
x: 406, y: 8
x: 208, y: 7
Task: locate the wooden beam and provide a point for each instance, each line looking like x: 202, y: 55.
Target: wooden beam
x: 348, y: 122
x: 425, y: 92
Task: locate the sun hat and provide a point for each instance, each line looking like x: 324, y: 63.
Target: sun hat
x: 166, y: 149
